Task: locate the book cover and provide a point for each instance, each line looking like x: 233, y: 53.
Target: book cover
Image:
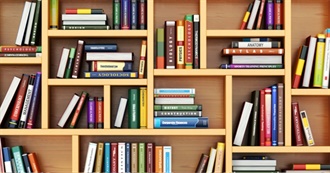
x: 78, y: 59
x: 78, y: 109
x: 269, y: 14
x: 2, y: 155
x: 300, y: 66
x: 150, y: 157
x: 142, y: 63
x: 86, y: 27
x: 309, y: 166
x: 127, y: 157
x: 177, y: 113
x: 262, y: 112
x: 174, y: 90
x: 280, y: 112
x: 319, y: 60
x: 84, y: 17
x: 99, y: 112
x: 244, y: 118
x: 114, y: 157
x: 53, y: 14
x: 257, y: 59
x: 160, y: 57
x: 326, y: 65
x: 252, y: 51
x: 246, y: 16
x: 274, y: 115
x: 255, y: 44
x: 109, y: 56
x: 210, y: 164
x: 15, y: 49
x: 27, y: 34
x: 133, y: 108
x: 251, y: 66
x: 173, y: 107
x: 268, y: 117
x: 35, y: 102
x: 83, y: 11
x: 278, y: 14
x: 253, y: 122
x: 69, y: 67
x: 36, y: 26
x: 90, y: 157
x: 253, y: 15
x: 260, y: 15
x: 110, y: 47
x: 178, y: 122
x: 27, y: 101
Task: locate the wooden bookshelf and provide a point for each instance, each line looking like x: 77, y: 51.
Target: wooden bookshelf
x: 220, y: 91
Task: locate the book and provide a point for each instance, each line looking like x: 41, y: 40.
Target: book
x: 142, y: 14
x: 167, y: 159
x: 158, y: 159
x: 251, y: 66
x: 253, y: 163
x: 150, y: 157
x: 253, y: 15
x: 99, y: 112
x: 310, y: 167
x: 36, y: 27
x: 53, y: 14
x: 20, y: 54
x: 280, y: 112
x: 27, y: 101
x: 219, y: 159
x: 177, y: 113
x: 72, y: 104
x: 26, y: 162
x: 17, y: 155
x: 142, y: 157
x: 78, y: 109
x: 254, y: 168
x: 23, y: 23
x: 160, y: 58
x: 78, y: 59
x: 178, y: 122
x: 99, y: 158
x: 86, y: 27
x: 134, y: 157
x: 257, y: 39
x: 107, y: 153
x: 28, y: 30
x: 262, y: 113
x: 7, y: 156
x: 253, y: 122
x: 210, y: 164
x: 134, y: 14
x: 297, y: 126
x: 269, y: 18
x: 309, y: 171
x: 260, y: 14
x: 125, y: 17
x: 300, y: 66
x: 34, y: 163
x: 3, y: 153
x: 188, y: 41
x: 143, y: 107
x: 176, y: 107
x: 91, y: 112
x: 252, y: 51
x: 24, y: 49
x: 174, y: 90
x: 111, y: 47
x: 278, y: 14
x: 114, y: 157
x: 256, y: 59
x: 127, y: 157
x: 319, y: 60
x: 180, y: 48
x: 255, y: 44
x: 307, y: 128
x: 109, y: 56
x: 174, y: 95
x: 196, y: 38
x: 116, y: 14
x: 245, y: 115
x: 133, y: 108
x: 268, y: 117
x: 163, y: 100
x: 63, y: 61
x: 142, y: 63
x: 90, y: 157
x: 107, y: 74
x: 84, y: 17
x: 84, y: 11
x: 121, y: 157
x: 120, y: 112
x: 84, y: 22
x: 274, y: 115
x: 246, y: 16
x: 69, y: 66
x: 326, y: 64
x: 170, y: 32
x: 202, y: 164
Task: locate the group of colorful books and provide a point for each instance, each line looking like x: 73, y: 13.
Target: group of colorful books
x: 309, y: 168
x: 14, y: 159
x: 176, y: 108
x: 20, y: 51
x: 178, y: 44
x: 264, y: 14
x: 313, y: 62
x: 212, y: 162
x: 256, y: 53
x: 254, y: 163
x: 136, y: 106
x: 95, y: 114
x: 266, y: 111
x: 24, y: 94
x: 128, y: 157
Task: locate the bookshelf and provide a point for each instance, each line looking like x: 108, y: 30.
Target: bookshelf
x: 221, y: 91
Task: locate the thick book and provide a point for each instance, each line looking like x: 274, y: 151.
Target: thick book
x: 125, y: 17
x: 180, y: 48
x: 248, y: 44
x: 178, y: 122
x: 78, y: 109
x: 90, y: 157
x: 300, y: 66
x: 202, y: 164
x: 112, y: 74
x: 133, y: 108
x: 254, y: 168
x: 78, y: 59
x: 241, y: 128
x: 109, y: 56
x: 252, y: 51
x: 142, y: 14
x: 35, y: 102
x: 98, y: 66
x: 170, y: 52
x: 63, y: 61
x: 253, y: 15
x: 68, y: 111
x: 111, y: 47
x: 91, y: 113
x: 253, y: 163
x: 268, y: 116
x: 84, y: 22
x: 160, y: 56
x: 297, y: 126
x: 27, y: 101
x: 23, y: 23
x: 142, y: 62
x: 120, y: 112
x: 164, y: 100
x: 311, y: 43
x: 319, y: 60
x: 188, y: 43
x: 17, y: 155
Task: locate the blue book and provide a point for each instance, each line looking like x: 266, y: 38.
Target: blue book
x: 178, y: 122
x: 128, y: 157
x: 257, y: 39
x: 134, y: 14
x: 109, y: 74
x: 106, y: 161
x: 101, y: 47
x: 7, y: 159
x: 35, y: 102
x: 274, y: 115
x: 26, y: 163
x: 125, y: 14
x: 167, y: 164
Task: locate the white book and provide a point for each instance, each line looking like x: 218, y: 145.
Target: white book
x: 14, y: 165
x: 84, y: 22
x: 84, y: 17
x: 63, y: 62
x: 253, y: 14
x: 210, y: 164
x: 254, y: 168
x: 120, y: 112
x: 167, y: 159
x: 29, y: 24
x: 68, y: 110
x: 109, y: 56
x: 243, y: 162
x: 90, y: 158
x: 307, y: 171
x: 326, y: 65
x: 307, y: 128
x: 174, y: 91
x: 23, y: 23
x: 309, y: 62
x: 9, y: 97
x: 256, y: 59
x: 121, y: 157
x: 245, y: 115
x: 159, y: 101
x: 26, y: 104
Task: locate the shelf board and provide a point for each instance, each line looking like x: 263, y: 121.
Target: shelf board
x: 310, y: 92
x: 281, y: 149
x: 99, y: 33
x: 245, y: 33
x: 115, y: 132
x: 219, y: 72
x: 96, y: 82
x: 20, y: 60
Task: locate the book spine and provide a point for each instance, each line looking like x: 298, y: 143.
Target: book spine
x: 127, y: 157
x: 36, y: 24
x: 134, y: 157
x: 68, y: 110
x: 17, y: 154
x: 107, y: 153
x: 158, y: 159
x: 250, y: 44
x: 78, y: 59
x: 261, y: 14
x: 142, y: 157
x: 246, y: 16
x: 280, y: 91
x: 83, y: 11
x: 211, y: 161
x: 253, y: 15
x: 300, y: 66
x: 242, y: 125
x: 120, y: 112
x: 26, y: 163
x: 219, y: 160
x: 68, y: 69
x: 311, y: 42
x: 125, y: 14
x: 174, y: 100
x: 143, y: 107
x: 53, y: 15
x: 35, y: 102
x: 78, y: 109
x: 90, y: 157
x: 34, y: 163
x: 27, y: 35
x: 63, y: 62
x: 99, y: 112
x: 297, y: 128
x: 6, y: 160
x: 326, y: 65
x: 270, y: 14
x: 19, y: 101
x: 178, y: 113
x: 86, y: 27
x: 196, y: 38
x: 170, y: 46
x: 109, y: 56
x: 268, y: 116
x: 83, y: 18
x: 278, y: 14
x: 174, y: 91
x: 177, y: 122
x: 180, y: 49
x: 101, y: 47
x: 262, y: 118
x: 319, y: 60
x: 142, y: 62
x: 167, y: 159
x: 134, y: 14
x: 116, y: 14
x: 99, y: 158
x: 91, y: 113
x: 100, y: 66
x: 254, y: 118
x: 20, y: 54
x: 142, y: 14
x: 23, y: 23
x: 111, y: 74
x: 133, y: 108
x: 257, y: 39
x: 274, y: 114
x: 201, y: 167
x: 178, y: 107
x: 174, y: 95
x: 252, y: 51
x: 27, y: 101
x: 150, y: 155
x: 307, y: 128
x: 251, y: 66
x: 160, y: 59
x: 114, y: 157
x: 24, y: 49
x: 311, y: 167
x: 188, y: 41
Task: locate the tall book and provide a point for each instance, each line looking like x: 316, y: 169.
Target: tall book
x: 69, y: 66
x: 150, y: 157
x: 114, y: 157
x: 188, y: 41
x: 158, y: 159
x: 210, y: 164
x: 116, y: 14
x: 269, y: 14
x: 170, y: 45
x: 127, y: 157
x: 142, y: 157
x: 297, y: 126
x: 143, y: 59
x: 180, y: 48
x: 17, y: 154
x: 280, y: 112
x: 134, y: 157
x: 196, y: 38
x: 319, y: 60
x: 99, y: 158
x: 78, y: 59
x: 274, y: 115
x: 99, y: 112
x: 260, y: 15
x: 90, y: 157
x: 143, y: 107
x: 246, y: 16
x: 26, y: 162
x: 245, y: 114
x: 72, y: 104
x: 219, y: 159
x: 125, y: 14
x: 253, y: 15
x: 326, y: 64
x: 133, y: 108
x: 35, y: 102
x: 262, y: 112
x: 311, y: 43
x: 253, y: 122
x: 167, y: 159
x: 268, y: 117
x: 142, y: 14
x: 78, y: 109
x: 300, y: 66
x: 27, y: 101
x: 91, y: 113
x: 160, y: 58
x: 134, y: 14
x: 278, y: 14
x: 107, y: 153
x: 53, y: 14
x: 29, y: 24
x: 34, y: 162
x: 23, y: 23
x: 36, y: 27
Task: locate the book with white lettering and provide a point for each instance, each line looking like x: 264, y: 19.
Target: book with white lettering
x: 250, y: 44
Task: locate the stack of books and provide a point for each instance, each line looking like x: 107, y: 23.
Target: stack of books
x: 309, y: 168
x: 257, y: 53
x: 20, y: 51
x: 254, y: 163
x: 176, y: 108
x: 80, y: 19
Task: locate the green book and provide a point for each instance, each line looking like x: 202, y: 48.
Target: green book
x: 177, y: 107
x: 133, y: 108
x: 116, y: 14
x: 68, y: 68
x: 36, y: 24
x: 17, y: 154
x: 160, y: 55
x: 319, y: 60
x: 142, y: 158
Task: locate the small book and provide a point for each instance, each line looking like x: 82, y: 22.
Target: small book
x: 120, y: 112
x: 247, y: 108
x: 307, y: 128
x: 72, y: 104
x: 201, y: 167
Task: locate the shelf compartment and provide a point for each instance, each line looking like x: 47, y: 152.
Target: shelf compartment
x: 20, y: 60
x: 245, y: 33
x: 281, y: 149
x: 219, y: 72
x: 95, y: 82
x: 310, y: 92
x: 98, y: 33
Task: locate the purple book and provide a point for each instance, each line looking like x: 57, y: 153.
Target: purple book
x: 35, y: 102
x: 91, y: 113
x: 270, y: 14
x: 125, y: 14
x: 251, y: 66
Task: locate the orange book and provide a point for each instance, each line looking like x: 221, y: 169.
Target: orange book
x: 78, y: 110
x: 180, y: 44
x: 142, y: 58
x: 159, y: 159
x: 33, y: 162
x: 252, y: 51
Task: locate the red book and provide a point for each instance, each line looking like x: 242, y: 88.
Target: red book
x: 99, y: 105
x: 142, y: 13
x: 19, y: 100
x: 262, y: 118
x: 79, y: 108
x: 268, y: 116
x: 150, y: 158
x: 278, y: 14
x: 302, y: 54
x: 114, y: 157
x: 297, y: 127
x: 246, y: 16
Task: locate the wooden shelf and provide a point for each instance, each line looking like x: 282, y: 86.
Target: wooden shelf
x: 310, y: 92
x: 280, y: 149
x: 245, y: 33
x: 96, y: 82
x: 20, y: 60
x: 98, y: 33
x: 218, y: 72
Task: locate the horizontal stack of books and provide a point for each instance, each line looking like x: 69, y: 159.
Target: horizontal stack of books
x: 309, y: 168
x: 83, y: 19
x: 176, y: 108
x: 254, y: 164
x: 254, y: 53
x: 20, y: 51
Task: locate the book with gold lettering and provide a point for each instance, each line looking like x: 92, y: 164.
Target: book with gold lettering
x: 111, y: 74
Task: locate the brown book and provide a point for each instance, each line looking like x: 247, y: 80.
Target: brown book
x: 34, y: 163
x: 180, y: 44
x: 251, y: 51
x: 99, y: 158
x: 170, y: 44
x: 297, y: 127
x: 99, y: 109
x: 79, y: 108
x: 278, y: 14
x: 202, y: 164
x: 142, y: 22
x: 19, y: 100
x: 78, y: 59
x: 150, y: 157
x: 134, y: 157
x: 280, y: 111
x: 158, y: 159
x: 114, y: 157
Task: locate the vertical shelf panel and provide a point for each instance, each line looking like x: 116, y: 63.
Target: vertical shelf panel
x: 106, y: 106
x: 229, y: 120
x: 75, y: 153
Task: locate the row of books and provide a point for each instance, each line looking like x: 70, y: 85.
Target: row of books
x: 313, y: 61
x: 178, y: 44
x: 14, y: 159
x: 264, y: 14
x: 180, y: 109
x: 95, y: 113
x: 24, y: 96
x: 212, y: 162
x: 266, y: 111
x: 128, y: 157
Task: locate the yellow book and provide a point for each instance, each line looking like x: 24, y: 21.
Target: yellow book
x: 180, y: 44
x: 53, y: 14
x: 319, y: 60
x: 99, y: 158
x: 143, y: 107
x: 142, y: 58
x: 219, y: 159
x: 158, y: 159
